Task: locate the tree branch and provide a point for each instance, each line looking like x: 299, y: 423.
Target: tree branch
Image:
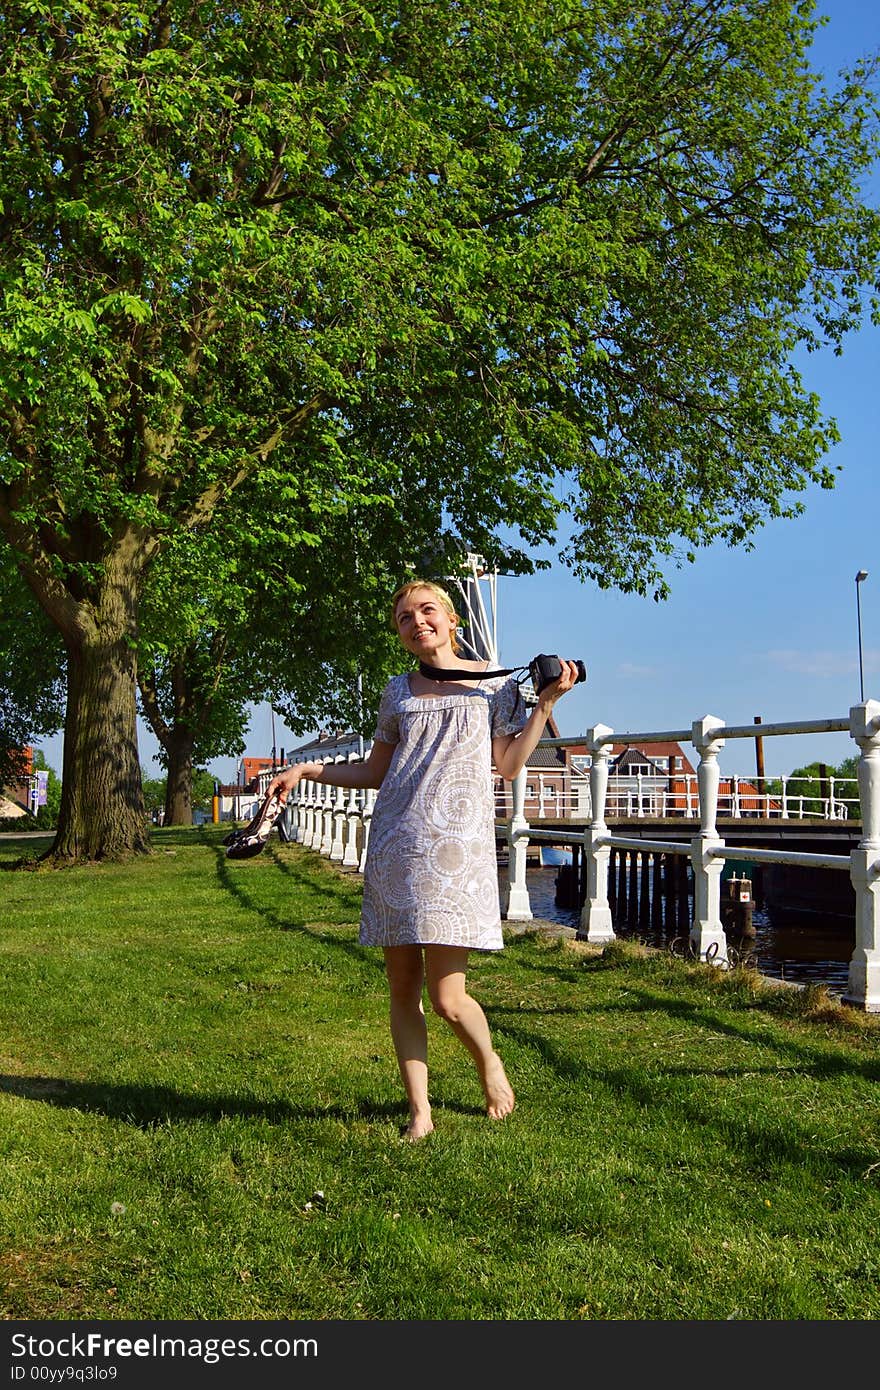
x: 287, y: 425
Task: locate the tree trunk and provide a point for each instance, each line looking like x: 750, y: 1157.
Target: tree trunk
x: 178, y: 788
x: 102, y: 809
x: 177, y: 736
x: 102, y: 805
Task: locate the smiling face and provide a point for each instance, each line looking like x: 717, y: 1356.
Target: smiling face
x: 425, y: 624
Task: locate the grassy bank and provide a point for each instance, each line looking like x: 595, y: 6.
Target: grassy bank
x: 200, y: 1109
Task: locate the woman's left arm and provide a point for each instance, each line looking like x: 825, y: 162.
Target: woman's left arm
x: 510, y: 752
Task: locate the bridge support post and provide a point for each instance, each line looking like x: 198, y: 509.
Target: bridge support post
x: 632, y: 902
x: 657, y: 891
x: 707, y: 937
x: 595, y: 923
x: 515, y: 906
x: 621, y: 902
x: 863, y: 986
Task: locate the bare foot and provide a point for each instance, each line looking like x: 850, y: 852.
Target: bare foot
x: 500, y: 1099
x: 418, y: 1127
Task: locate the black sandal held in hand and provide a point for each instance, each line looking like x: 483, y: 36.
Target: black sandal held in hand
x: 253, y: 837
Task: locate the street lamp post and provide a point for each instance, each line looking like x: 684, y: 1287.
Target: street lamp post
x: 862, y: 574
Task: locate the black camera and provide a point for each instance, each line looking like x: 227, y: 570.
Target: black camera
x: 544, y: 669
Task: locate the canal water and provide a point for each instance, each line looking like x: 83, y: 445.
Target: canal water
x: 801, y: 947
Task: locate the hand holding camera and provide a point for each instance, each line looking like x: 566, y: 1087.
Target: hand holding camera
x: 544, y: 670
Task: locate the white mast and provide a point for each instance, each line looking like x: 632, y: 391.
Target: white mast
x: 479, y: 640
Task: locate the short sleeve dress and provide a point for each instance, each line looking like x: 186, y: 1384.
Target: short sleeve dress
x: 431, y: 873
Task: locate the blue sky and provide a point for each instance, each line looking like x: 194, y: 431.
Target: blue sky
x: 770, y: 633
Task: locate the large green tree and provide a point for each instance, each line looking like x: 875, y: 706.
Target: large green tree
x: 485, y: 260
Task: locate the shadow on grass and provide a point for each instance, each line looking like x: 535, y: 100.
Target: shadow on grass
x: 148, y: 1106
x: 757, y: 1143
x: 28, y: 850
x: 234, y: 883
x: 342, y: 893
x: 813, y: 1061
x: 188, y: 835
x: 563, y: 973
x: 804, y: 1059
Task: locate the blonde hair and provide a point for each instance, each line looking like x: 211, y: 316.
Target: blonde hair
x: 439, y: 593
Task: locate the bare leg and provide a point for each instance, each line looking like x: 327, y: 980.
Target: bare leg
x: 409, y: 1033
x: 446, y: 968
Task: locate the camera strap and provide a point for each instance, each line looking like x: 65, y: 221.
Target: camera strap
x: 458, y: 673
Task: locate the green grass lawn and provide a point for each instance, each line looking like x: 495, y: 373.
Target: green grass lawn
x: 200, y: 1114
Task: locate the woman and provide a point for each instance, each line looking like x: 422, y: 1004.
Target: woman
x: 431, y: 878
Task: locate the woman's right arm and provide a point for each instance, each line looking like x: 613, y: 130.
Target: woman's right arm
x: 370, y: 773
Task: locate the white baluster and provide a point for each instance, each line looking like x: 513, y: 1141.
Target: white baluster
x: 595, y: 923
x: 863, y: 985
x: 369, y: 803
x: 337, y: 843
x: 707, y: 934
x: 296, y: 801
x: 515, y: 904
x: 312, y: 793
x: 326, y: 819
x: 353, y: 819
x: 305, y: 828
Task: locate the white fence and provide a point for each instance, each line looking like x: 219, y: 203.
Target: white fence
x: 641, y: 796
x: 336, y: 822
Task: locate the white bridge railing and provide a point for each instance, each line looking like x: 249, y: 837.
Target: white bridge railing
x: 336, y: 822
x: 565, y: 795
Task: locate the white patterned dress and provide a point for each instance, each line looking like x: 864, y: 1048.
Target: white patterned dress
x: 431, y: 875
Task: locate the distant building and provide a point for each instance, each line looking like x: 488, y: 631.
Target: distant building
x: 660, y: 780
x: 15, y: 797
x: 240, y: 800
x: 656, y: 783
x: 338, y: 744
x: 252, y: 768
